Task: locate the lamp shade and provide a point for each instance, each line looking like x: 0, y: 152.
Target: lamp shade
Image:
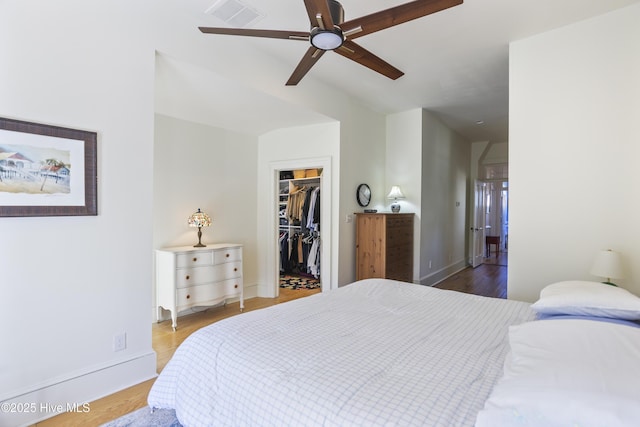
x: 608, y: 264
x: 395, y: 193
x: 199, y: 219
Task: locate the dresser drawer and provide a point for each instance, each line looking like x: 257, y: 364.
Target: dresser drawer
x: 207, y: 294
x: 213, y: 273
x: 194, y: 259
x: 227, y: 255
x: 400, y: 221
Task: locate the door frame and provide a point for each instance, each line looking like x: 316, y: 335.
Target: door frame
x: 272, y: 265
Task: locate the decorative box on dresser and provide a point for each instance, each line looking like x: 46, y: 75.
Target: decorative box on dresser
x: 187, y: 276
x: 384, y: 246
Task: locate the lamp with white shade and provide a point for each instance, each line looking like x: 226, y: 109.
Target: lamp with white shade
x: 199, y: 219
x: 608, y: 264
x: 395, y: 194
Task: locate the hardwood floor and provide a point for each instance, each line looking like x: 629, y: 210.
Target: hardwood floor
x: 489, y: 279
x: 164, y: 342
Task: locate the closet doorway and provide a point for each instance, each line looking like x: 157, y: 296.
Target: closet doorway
x: 301, y: 236
x: 299, y: 230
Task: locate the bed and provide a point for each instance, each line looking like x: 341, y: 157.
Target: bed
x: 374, y: 353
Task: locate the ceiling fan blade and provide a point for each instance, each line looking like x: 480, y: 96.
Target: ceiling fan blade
x: 273, y: 34
x: 308, y: 60
x: 395, y: 16
x: 357, y: 53
x: 319, y: 7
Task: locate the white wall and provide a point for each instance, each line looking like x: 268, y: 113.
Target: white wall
x: 403, y: 168
x: 362, y: 154
x: 69, y: 284
x: 573, y: 152
x: 497, y: 152
x: 199, y: 166
x: 430, y: 163
x: 445, y: 185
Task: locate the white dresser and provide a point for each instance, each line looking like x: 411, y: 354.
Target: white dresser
x: 188, y: 277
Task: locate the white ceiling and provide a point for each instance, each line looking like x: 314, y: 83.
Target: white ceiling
x: 455, y: 63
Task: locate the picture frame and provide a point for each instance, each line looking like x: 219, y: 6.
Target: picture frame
x: 47, y: 170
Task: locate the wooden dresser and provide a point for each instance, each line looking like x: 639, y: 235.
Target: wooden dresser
x: 188, y: 277
x: 384, y: 246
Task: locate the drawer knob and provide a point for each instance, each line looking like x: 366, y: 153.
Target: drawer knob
x: 195, y: 259
x: 236, y: 286
x: 235, y: 269
x: 227, y: 255
x: 188, y: 296
x: 187, y: 277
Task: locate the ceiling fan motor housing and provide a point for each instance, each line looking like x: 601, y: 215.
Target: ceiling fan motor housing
x: 337, y: 12
x: 329, y: 38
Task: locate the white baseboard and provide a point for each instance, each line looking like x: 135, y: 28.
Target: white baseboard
x: 444, y: 273
x: 74, y: 392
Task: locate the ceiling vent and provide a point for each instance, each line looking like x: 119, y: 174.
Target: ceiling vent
x: 234, y: 12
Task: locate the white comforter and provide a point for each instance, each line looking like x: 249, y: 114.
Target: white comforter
x: 376, y: 352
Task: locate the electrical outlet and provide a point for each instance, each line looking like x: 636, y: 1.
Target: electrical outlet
x: 120, y: 342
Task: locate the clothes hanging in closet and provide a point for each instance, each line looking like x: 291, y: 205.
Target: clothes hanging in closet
x: 297, y: 195
x: 300, y: 253
x: 311, y: 210
x: 283, y: 242
x: 303, y: 207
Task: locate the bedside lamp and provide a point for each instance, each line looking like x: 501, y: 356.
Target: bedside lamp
x: 395, y: 194
x: 199, y: 219
x: 608, y: 264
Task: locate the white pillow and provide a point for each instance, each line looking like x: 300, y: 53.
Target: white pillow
x: 583, y: 298
x: 567, y: 372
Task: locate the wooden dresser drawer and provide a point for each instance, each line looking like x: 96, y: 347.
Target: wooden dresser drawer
x: 402, y: 221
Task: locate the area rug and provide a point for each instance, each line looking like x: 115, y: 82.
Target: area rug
x: 299, y: 282
x: 143, y: 417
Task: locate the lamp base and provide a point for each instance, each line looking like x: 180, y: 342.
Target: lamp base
x: 395, y: 207
x: 199, y: 245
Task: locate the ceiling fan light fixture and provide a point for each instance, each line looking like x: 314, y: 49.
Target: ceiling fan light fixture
x: 326, y: 39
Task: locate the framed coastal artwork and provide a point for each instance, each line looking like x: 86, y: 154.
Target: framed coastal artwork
x: 46, y: 170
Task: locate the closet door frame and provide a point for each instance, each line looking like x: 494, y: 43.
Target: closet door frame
x: 273, y: 269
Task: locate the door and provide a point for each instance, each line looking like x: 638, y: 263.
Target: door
x: 476, y: 231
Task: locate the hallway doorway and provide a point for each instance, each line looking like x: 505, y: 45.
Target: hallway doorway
x: 496, y: 223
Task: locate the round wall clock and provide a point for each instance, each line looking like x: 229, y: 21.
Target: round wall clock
x: 363, y: 195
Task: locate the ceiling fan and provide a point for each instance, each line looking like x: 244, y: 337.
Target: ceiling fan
x: 329, y: 31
